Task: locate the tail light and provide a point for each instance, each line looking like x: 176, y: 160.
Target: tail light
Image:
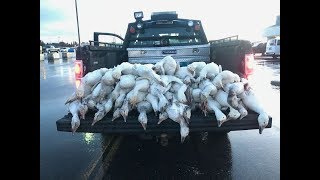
x: 248, y: 64
x: 78, y: 69
x: 132, y: 30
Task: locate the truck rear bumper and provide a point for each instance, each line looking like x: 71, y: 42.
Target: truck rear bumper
x: 199, y: 123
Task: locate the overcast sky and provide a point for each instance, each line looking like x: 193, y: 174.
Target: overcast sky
x: 220, y: 18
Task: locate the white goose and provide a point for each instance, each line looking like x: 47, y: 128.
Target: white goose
x: 116, y: 114
x: 166, y: 66
x: 163, y: 116
x: 125, y: 109
x: 74, y: 110
x: 216, y: 108
x: 108, y: 79
x: 127, y: 81
x: 196, y: 93
x: 196, y: 67
x: 96, y: 91
x: 83, y: 110
x: 141, y: 85
x: 169, y: 95
x: 100, y: 113
x: 121, y: 97
x: 207, y: 88
x: 225, y: 77
x: 185, y: 74
x: 93, y: 77
x: 83, y: 90
x: 179, y: 90
x: 153, y: 100
x: 211, y: 70
x: 234, y: 88
x: 174, y: 113
x: 123, y: 68
x: 242, y: 110
x: 144, y: 70
x: 158, y: 91
x: 222, y: 98
x: 251, y: 102
x: 143, y: 108
x: 104, y: 91
x: 167, y: 79
x: 108, y: 105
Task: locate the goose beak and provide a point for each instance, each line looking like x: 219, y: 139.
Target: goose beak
x: 220, y: 123
x: 124, y: 116
x: 228, y: 118
x: 182, y: 139
x: 187, y: 120
x: 93, y: 122
x: 144, y: 126
x: 260, y: 129
x: 160, y: 121
x: 73, y: 131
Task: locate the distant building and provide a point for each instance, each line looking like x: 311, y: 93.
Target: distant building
x: 272, y: 31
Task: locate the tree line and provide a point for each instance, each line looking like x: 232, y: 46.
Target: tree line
x: 60, y: 44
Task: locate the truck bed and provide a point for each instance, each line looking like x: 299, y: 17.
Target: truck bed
x: 198, y: 123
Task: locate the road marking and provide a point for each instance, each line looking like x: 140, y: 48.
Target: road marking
x: 94, y: 162
x: 106, y: 162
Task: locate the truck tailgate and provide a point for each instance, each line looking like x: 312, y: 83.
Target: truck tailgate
x: 198, y: 123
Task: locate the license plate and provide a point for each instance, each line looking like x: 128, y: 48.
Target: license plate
x: 171, y: 51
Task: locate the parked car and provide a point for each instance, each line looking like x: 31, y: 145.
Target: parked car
x: 71, y: 49
x: 64, y: 49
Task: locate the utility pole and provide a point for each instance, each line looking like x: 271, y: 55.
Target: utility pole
x: 77, y: 21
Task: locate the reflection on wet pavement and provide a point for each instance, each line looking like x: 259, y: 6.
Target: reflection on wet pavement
x: 149, y: 160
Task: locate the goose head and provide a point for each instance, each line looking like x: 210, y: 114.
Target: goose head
x: 91, y: 104
x: 83, y: 109
x: 184, y: 132
x: 233, y: 114
x: 263, y: 120
x: 163, y: 116
x: 221, y: 118
x: 116, y: 73
x: 243, y: 112
x: 187, y: 114
x: 116, y: 114
x: 124, y: 111
x: 98, y: 116
x: 187, y: 80
x: 75, y: 123
x: 143, y: 119
x: 233, y: 100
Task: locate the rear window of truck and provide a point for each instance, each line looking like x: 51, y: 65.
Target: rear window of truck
x: 177, y: 36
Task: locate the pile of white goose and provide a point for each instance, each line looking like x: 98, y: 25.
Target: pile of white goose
x: 170, y: 91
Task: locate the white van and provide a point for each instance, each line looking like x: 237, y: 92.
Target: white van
x: 273, y: 47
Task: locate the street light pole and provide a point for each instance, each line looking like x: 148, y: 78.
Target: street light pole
x: 77, y: 22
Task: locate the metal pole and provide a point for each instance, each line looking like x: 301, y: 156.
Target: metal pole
x: 77, y: 21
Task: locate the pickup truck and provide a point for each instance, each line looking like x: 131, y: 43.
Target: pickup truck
x: 50, y: 49
x: 148, y: 41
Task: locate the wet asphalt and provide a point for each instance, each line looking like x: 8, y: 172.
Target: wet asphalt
x: 236, y: 155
